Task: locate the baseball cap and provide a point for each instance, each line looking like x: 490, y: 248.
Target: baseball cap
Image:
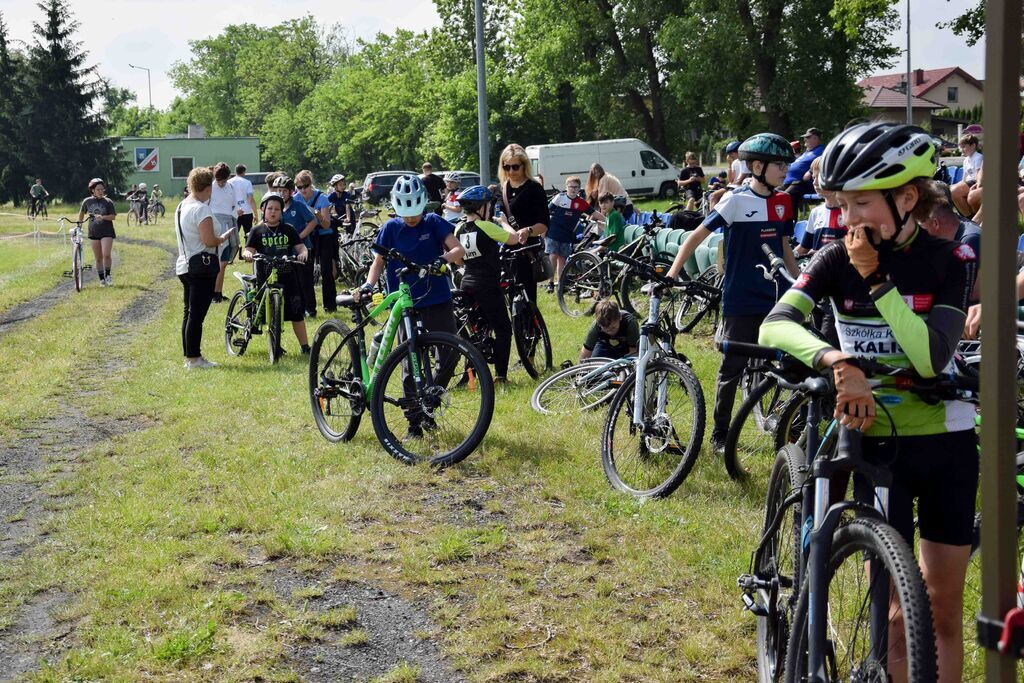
x: 811, y: 131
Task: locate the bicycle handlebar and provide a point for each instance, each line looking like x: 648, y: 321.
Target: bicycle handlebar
x: 410, y: 265
x: 776, y: 266
x: 647, y: 270
x: 508, y: 253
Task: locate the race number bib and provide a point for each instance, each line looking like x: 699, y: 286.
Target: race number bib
x: 468, y: 241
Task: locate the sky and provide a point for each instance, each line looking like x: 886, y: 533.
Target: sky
x: 155, y: 33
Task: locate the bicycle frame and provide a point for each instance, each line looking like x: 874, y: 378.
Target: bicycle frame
x: 645, y: 353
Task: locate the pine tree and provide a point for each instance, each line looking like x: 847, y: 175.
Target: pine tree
x: 62, y: 129
x: 12, y: 171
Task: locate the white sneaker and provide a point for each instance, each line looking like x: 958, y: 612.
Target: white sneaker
x: 110, y: 281
x: 203, y: 363
x: 103, y: 283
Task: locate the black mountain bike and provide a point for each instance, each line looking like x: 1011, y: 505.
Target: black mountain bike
x: 840, y: 560
x: 529, y: 331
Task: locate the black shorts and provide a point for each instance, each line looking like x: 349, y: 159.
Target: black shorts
x: 940, y: 471
x: 693, y: 192
x: 245, y: 222
x: 98, y: 232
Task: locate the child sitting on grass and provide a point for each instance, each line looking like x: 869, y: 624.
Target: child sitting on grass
x: 614, y: 334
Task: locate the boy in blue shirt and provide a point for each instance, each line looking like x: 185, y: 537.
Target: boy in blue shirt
x: 566, y: 209
x: 304, y: 223
x: 326, y: 252
x: 749, y: 216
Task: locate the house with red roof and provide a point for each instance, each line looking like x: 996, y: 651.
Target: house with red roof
x: 951, y: 87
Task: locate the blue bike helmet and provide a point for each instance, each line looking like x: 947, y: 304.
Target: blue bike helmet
x: 408, y: 196
x: 474, y: 198
x: 733, y: 146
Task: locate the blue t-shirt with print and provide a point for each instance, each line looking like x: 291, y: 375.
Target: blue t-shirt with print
x: 565, y: 213
x: 318, y: 201
x: 749, y: 220
x: 421, y: 244
x: 298, y: 215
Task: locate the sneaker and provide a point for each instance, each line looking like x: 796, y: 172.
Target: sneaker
x: 103, y: 282
x: 550, y: 288
x: 110, y: 281
x: 217, y: 298
x: 305, y: 350
x: 311, y: 314
x: 203, y: 363
x: 717, y: 444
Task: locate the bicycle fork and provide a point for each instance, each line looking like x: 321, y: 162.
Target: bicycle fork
x: 643, y: 356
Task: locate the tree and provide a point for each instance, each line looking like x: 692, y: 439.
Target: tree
x: 61, y: 124
x: 12, y: 171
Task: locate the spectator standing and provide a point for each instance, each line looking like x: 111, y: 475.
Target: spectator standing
x: 941, y: 220
x: 101, y: 213
x: 599, y: 182
x: 244, y: 198
x: 564, y: 211
x: 690, y: 180
x: 196, y: 232
x: 524, y: 208
x: 304, y: 223
x: 972, y: 168
x: 224, y: 207
x: 341, y: 202
x: 825, y: 223
x: 451, y: 211
x: 736, y: 173
x: 798, y: 178
x: 434, y: 185
x: 326, y: 235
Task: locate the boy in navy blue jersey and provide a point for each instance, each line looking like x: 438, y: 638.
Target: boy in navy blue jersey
x: 749, y: 216
x: 566, y: 209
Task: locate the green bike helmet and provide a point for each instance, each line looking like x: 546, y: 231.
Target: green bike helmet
x: 766, y: 147
x: 877, y: 156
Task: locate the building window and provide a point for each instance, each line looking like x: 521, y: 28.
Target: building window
x: 180, y: 166
x: 952, y: 93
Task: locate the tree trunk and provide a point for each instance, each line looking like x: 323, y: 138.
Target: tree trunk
x: 762, y: 39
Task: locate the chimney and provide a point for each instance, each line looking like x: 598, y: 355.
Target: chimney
x: 195, y: 131
x: 918, y: 76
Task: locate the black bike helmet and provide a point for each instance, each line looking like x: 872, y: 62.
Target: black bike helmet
x: 620, y: 202
x: 766, y: 147
x: 269, y: 198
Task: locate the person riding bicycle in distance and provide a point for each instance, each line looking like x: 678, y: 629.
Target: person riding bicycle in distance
x: 426, y: 239
x: 750, y: 217
x: 481, y: 240
x: 615, y: 333
x: 274, y: 238
x: 900, y: 296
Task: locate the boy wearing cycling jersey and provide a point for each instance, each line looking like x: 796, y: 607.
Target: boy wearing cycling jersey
x: 273, y: 238
x: 481, y: 240
x: 899, y: 295
x: 750, y: 216
x: 825, y: 222
x: 566, y: 209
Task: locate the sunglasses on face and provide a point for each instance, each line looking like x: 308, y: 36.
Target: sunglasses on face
x: 301, y: 187
x: 511, y: 167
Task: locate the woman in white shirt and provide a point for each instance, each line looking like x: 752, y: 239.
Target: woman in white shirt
x: 599, y: 183
x: 972, y: 167
x: 195, y: 232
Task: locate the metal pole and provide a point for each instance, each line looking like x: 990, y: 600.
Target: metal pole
x: 999, y: 301
x: 910, y: 109
x: 149, y: 84
x: 481, y: 98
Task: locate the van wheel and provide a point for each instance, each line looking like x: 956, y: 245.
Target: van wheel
x: 669, y: 190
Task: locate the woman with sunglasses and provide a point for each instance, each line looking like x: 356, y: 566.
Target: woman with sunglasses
x: 524, y: 208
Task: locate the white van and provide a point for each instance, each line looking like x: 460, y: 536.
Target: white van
x: 642, y: 170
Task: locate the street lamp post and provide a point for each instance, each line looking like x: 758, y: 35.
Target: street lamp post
x: 149, y: 83
x: 910, y: 109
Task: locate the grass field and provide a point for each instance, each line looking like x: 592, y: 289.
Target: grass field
x: 203, y: 533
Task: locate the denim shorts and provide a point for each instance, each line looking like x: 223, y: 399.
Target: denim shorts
x: 230, y: 248
x: 559, y: 248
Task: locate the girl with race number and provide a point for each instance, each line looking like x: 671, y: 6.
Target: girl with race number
x: 481, y: 239
x: 900, y: 296
x: 101, y: 214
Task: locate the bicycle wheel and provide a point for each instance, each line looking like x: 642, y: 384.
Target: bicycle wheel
x: 777, y: 566
x: 532, y: 340
x: 449, y: 418
x: 238, y: 324
x: 747, y: 446
x: 336, y: 391
x: 581, y: 284
x: 698, y: 313
x: 652, y: 460
x: 634, y: 290
x: 274, y: 325
x: 847, y: 620
x: 76, y: 265
x: 570, y: 391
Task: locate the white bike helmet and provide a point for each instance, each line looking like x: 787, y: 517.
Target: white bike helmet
x: 335, y: 179
x: 451, y: 177
x: 408, y: 196
x: 142, y: 186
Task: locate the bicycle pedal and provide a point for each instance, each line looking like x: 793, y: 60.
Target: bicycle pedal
x: 86, y: 267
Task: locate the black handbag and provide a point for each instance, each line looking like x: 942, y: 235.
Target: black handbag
x: 202, y: 263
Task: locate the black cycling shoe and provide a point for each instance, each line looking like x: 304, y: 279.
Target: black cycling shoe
x: 305, y: 350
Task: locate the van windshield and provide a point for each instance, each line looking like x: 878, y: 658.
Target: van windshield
x: 652, y: 160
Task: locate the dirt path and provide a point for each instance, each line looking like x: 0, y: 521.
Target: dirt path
x: 396, y: 631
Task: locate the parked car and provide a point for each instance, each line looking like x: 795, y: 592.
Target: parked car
x: 642, y: 170
x: 377, y: 186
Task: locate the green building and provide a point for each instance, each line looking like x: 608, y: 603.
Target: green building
x: 167, y: 161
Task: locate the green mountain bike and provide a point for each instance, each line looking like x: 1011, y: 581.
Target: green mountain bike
x: 431, y: 397
x: 257, y: 309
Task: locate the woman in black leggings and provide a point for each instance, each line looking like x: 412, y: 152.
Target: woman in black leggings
x: 524, y: 209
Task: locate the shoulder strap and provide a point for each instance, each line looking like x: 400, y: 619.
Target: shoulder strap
x: 508, y: 207
x: 177, y: 222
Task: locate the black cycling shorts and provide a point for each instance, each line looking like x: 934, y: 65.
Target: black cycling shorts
x: 288, y: 279
x: 940, y: 471
x: 693, y: 192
